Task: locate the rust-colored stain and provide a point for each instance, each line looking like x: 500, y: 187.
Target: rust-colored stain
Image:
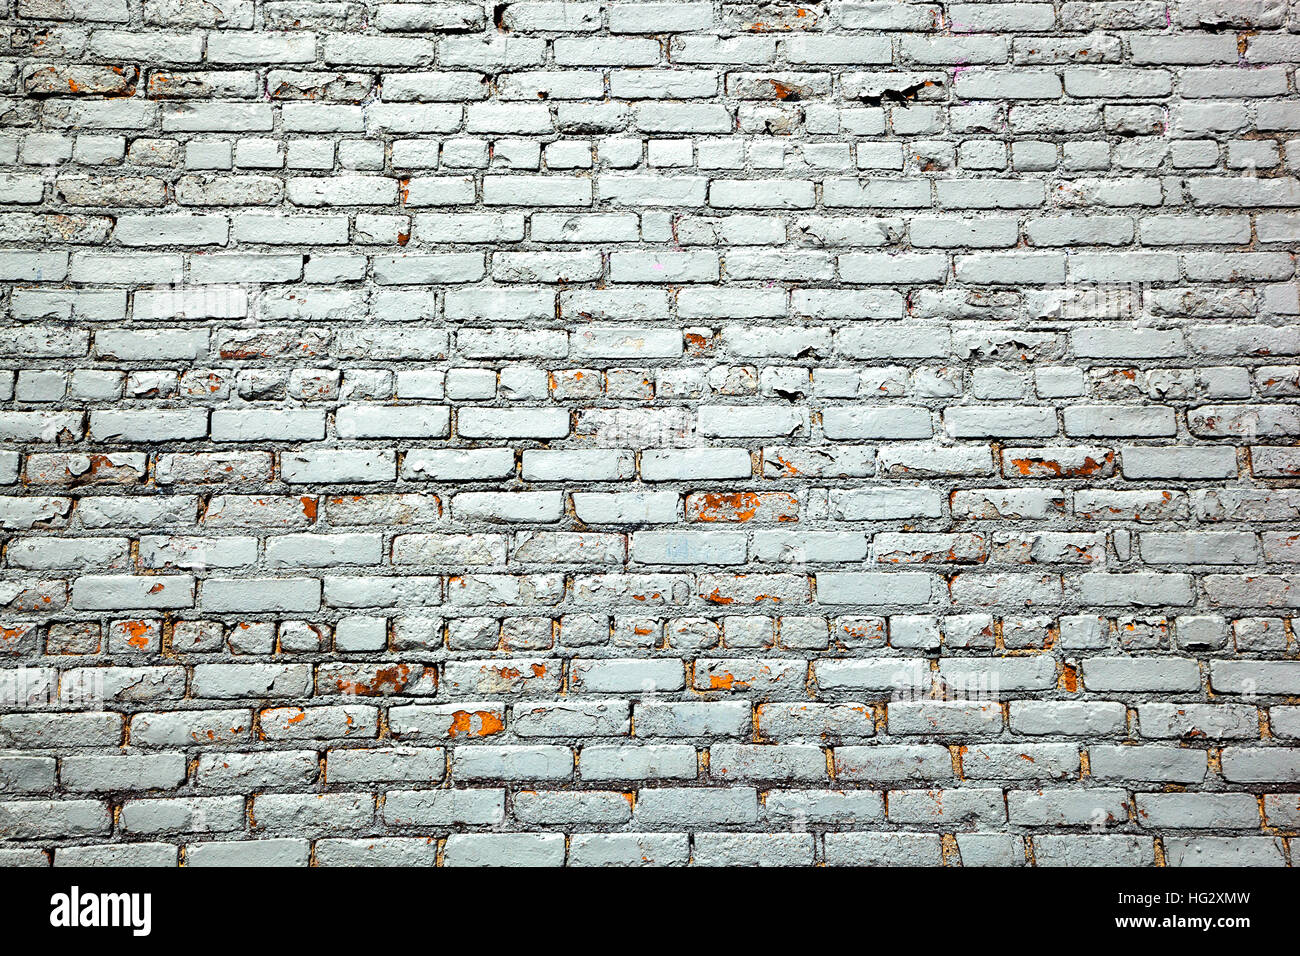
x: 463, y: 723
x: 787, y: 467
x: 1069, y: 679
x: 1087, y: 468
x: 742, y: 506
x: 13, y: 634
x: 386, y: 680
x: 784, y: 91
x: 138, y: 633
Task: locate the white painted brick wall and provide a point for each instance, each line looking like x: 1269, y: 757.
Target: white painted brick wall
x: 857, y: 431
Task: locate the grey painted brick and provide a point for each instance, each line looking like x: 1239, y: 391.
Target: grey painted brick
x: 313, y: 813
x: 1095, y: 806
x: 629, y: 849
x: 270, y: 852
x: 1147, y: 764
x: 505, y: 849
x: 489, y: 762
x: 573, y: 719
x: 125, y: 772
x: 883, y: 849
x: 824, y: 806
x: 1224, y: 851
x: 126, y: 855
x: 53, y: 818
x: 649, y: 762
x: 1020, y: 762
x: 384, y: 851
x: 881, y: 763
x: 753, y: 849
x: 692, y: 719
x: 275, y: 770
x: 990, y: 849
x: 1081, y: 718
x: 385, y: 765
x: 1194, y: 811
x: 444, y: 807
x: 670, y: 806
x: 1100, y: 850
x: 955, y: 806
x: 183, y: 815
x: 1260, y: 765
x: 558, y: 807
x: 1215, y: 721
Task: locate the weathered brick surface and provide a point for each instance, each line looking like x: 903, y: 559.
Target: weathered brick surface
x: 858, y: 431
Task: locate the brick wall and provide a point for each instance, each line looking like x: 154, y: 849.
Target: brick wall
x: 620, y: 432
